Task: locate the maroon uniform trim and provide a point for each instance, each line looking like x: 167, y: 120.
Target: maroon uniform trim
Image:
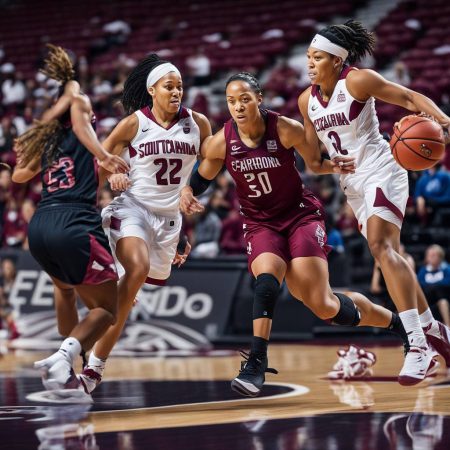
x: 382, y: 200
x: 155, y: 281
x: 100, y: 266
x: 182, y: 114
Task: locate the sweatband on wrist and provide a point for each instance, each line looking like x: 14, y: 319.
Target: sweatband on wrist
x: 198, y: 183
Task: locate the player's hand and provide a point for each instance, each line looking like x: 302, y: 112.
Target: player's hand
x: 114, y: 164
x: 188, y: 203
x: 119, y: 182
x: 343, y: 165
x: 183, y: 250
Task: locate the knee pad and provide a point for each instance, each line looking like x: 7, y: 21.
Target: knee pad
x: 348, y: 314
x: 266, y: 294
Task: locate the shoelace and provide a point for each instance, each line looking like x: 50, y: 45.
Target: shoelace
x: 251, y: 364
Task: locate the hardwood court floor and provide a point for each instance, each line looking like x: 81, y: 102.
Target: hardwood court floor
x: 186, y: 403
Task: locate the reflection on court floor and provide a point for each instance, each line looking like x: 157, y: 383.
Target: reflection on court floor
x: 187, y: 403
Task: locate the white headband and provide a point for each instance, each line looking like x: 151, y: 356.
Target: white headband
x: 159, y: 71
x: 322, y: 43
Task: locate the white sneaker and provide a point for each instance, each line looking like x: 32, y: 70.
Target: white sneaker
x: 353, y: 363
x: 418, y: 365
x: 57, y: 374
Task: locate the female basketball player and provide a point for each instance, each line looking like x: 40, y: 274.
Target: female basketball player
x: 339, y: 110
x: 283, y: 223
x: 65, y: 233
x: 143, y: 225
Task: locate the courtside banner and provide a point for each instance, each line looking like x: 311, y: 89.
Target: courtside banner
x: 194, y: 306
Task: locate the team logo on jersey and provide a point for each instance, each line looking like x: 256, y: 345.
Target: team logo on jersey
x: 186, y: 130
x: 341, y: 97
x: 320, y: 235
x: 271, y: 146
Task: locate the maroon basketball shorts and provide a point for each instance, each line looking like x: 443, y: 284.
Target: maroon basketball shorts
x: 301, y: 239
x: 68, y: 241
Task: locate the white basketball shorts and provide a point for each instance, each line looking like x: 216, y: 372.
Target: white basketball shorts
x: 126, y: 218
x: 383, y: 193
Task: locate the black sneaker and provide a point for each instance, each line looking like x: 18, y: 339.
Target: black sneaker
x: 251, y: 377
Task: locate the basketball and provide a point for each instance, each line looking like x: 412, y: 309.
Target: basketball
x: 417, y: 143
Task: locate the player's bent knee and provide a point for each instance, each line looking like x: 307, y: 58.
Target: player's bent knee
x: 378, y: 248
x: 138, y: 272
x: 348, y: 314
x: 321, y: 307
x: 267, y: 289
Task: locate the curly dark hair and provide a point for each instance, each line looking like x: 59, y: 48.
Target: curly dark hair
x: 351, y: 35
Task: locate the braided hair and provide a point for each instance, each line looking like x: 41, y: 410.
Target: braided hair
x: 43, y: 138
x: 135, y: 94
x: 248, y: 78
x: 58, y: 65
x: 351, y: 35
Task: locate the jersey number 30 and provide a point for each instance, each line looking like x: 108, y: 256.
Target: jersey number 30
x: 263, y: 185
x: 171, y: 165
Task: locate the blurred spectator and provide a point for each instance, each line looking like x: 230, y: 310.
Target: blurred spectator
x: 199, y: 68
x: 14, y: 226
x: 117, y: 32
x: 401, y: 74
x: 346, y: 222
x: 8, y: 275
x: 207, y: 230
x: 334, y: 236
x: 272, y: 100
x: 228, y: 201
x: 13, y: 88
x: 8, y: 132
x: 432, y: 191
x: 434, y: 277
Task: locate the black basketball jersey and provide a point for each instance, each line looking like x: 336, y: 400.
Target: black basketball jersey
x: 72, y: 176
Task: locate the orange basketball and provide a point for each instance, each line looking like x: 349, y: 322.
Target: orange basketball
x: 418, y: 143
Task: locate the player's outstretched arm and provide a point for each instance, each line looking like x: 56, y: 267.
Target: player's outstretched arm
x: 366, y: 83
x: 81, y: 125
x: 23, y: 174
x: 71, y: 90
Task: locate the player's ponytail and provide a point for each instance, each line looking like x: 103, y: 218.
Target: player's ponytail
x: 58, y: 65
x: 352, y: 36
x: 43, y: 138
x: 135, y: 94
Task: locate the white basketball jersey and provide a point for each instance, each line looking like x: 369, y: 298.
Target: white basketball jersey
x: 348, y: 127
x: 161, y: 160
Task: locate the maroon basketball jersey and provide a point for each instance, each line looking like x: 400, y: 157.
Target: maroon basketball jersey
x: 268, y: 184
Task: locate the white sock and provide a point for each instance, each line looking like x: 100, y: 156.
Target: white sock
x: 411, y: 322
x: 426, y: 318
x: 96, y: 364
x: 70, y: 349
